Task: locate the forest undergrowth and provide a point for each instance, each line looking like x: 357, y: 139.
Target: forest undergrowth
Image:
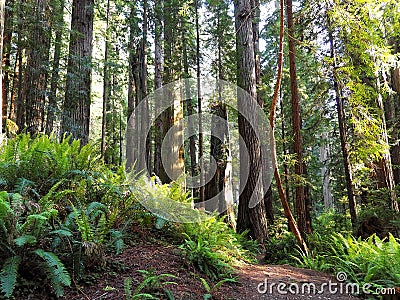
x: 62, y: 210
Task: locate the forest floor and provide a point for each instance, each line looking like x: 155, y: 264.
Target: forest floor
x: 166, y: 259
x: 147, y: 251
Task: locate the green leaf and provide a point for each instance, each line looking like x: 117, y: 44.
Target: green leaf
x: 128, y: 288
x: 221, y: 282
x: 169, y: 294
x: 62, y: 232
x: 206, y: 285
x: 8, y: 275
x: 25, y: 239
x: 55, y: 270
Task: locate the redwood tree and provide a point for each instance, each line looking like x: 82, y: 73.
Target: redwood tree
x: 251, y: 218
x: 301, y: 208
x: 76, y: 106
x: 36, y: 72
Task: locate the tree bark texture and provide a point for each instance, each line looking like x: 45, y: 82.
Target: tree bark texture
x: 76, y: 107
x: 253, y: 218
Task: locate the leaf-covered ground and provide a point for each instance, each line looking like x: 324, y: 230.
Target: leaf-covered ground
x: 167, y: 259
x: 147, y: 250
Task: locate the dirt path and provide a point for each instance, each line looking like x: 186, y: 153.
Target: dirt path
x: 166, y: 259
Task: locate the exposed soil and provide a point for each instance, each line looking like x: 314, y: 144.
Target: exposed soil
x: 148, y: 251
x: 167, y: 259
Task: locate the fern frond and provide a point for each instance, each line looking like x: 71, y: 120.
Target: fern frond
x: 52, y: 196
x: 55, y: 271
x: 96, y: 208
x: 128, y: 288
x: 23, y: 185
x: 83, y: 224
x: 62, y: 232
x: 117, y: 239
x: 4, y: 205
x: 9, y: 274
x: 25, y: 239
x: 206, y: 285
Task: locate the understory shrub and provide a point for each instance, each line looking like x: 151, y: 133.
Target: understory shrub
x: 214, y: 247
x: 60, y: 209
x: 373, y: 261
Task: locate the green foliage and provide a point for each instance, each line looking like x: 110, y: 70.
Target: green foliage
x: 25, y: 227
x: 375, y: 261
x: 9, y: 274
x: 201, y: 255
x: 281, y: 244
x: 330, y: 221
x: 165, y: 201
x: 213, y: 247
x: 47, y: 218
x: 210, y: 290
x: 152, y: 284
x: 129, y: 295
x: 42, y: 160
x: 55, y: 271
x: 279, y: 249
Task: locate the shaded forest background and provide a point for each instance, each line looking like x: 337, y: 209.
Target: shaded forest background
x: 326, y: 74
x: 330, y: 71
x: 338, y: 113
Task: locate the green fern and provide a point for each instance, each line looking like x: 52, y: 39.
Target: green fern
x: 23, y: 186
x: 128, y: 288
x: 25, y: 239
x: 117, y: 240
x: 51, y: 197
x: 134, y: 296
x: 9, y: 274
x: 83, y: 224
x: 55, y: 271
x: 4, y: 204
x: 152, y: 281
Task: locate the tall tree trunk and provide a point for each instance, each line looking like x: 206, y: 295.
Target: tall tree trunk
x: 167, y: 116
x: 324, y: 158
x: 52, y: 107
x: 260, y: 100
x: 284, y: 150
x: 7, y: 27
x: 225, y: 183
x: 395, y: 149
x: 20, y: 103
x: 300, y: 203
x: 18, y: 91
x: 254, y: 219
x: 190, y: 121
x: 131, y: 138
x: 2, y: 7
x: 144, y: 118
x: 36, y: 72
x: 199, y: 105
x: 12, y: 114
x: 76, y: 107
x: 284, y: 200
x: 158, y: 80
x: 106, y: 84
x: 343, y: 135
x: 384, y: 169
x: 138, y: 123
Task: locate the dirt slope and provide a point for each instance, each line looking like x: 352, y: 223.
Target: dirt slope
x: 167, y: 259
